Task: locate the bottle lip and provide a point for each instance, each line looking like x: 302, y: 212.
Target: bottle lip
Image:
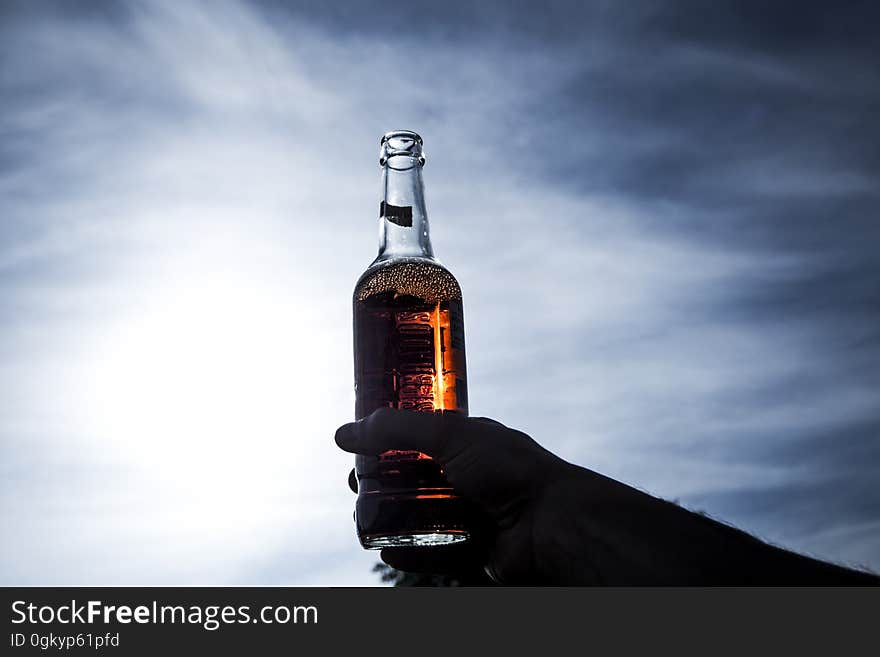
x: 405, y: 134
x: 401, y: 143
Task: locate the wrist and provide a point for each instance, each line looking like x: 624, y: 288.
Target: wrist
x: 589, y: 529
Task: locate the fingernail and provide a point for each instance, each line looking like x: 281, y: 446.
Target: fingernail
x: 345, y: 435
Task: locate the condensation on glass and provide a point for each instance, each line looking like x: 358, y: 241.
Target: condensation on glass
x: 409, y: 354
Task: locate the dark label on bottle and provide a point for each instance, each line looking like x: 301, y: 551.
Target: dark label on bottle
x: 402, y: 216
x: 456, y: 324
x: 461, y: 396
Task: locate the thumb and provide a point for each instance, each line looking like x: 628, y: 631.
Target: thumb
x: 439, y: 435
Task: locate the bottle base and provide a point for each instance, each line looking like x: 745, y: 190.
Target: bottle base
x: 423, y: 518
x: 414, y: 540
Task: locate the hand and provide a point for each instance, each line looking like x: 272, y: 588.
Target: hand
x: 502, y: 471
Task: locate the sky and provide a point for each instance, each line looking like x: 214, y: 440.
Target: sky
x: 662, y: 215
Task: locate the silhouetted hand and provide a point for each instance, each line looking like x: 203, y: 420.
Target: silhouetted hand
x: 504, y: 472
x: 555, y: 523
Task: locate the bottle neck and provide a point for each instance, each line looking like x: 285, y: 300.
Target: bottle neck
x: 403, y: 221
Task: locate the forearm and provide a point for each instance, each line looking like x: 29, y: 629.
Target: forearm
x: 593, y: 530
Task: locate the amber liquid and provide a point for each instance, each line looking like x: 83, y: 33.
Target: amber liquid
x: 409, y: 354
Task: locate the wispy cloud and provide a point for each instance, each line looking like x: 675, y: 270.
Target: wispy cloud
x: 664, y: 231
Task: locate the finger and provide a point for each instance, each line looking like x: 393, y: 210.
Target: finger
x: 440, y: 435
x: 447, y: 560
x: 352, y: 481
x: 488, y: 421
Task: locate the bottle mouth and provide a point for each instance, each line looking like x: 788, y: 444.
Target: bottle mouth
x: 401, y: 150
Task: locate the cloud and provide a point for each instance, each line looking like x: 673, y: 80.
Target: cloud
x: 662, y: 223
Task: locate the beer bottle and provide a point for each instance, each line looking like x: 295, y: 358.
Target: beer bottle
x: 408, y: 354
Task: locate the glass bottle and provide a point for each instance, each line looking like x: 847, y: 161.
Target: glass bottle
x: 409, y: 354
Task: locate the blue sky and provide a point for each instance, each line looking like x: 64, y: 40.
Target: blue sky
x: 663, y: 220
